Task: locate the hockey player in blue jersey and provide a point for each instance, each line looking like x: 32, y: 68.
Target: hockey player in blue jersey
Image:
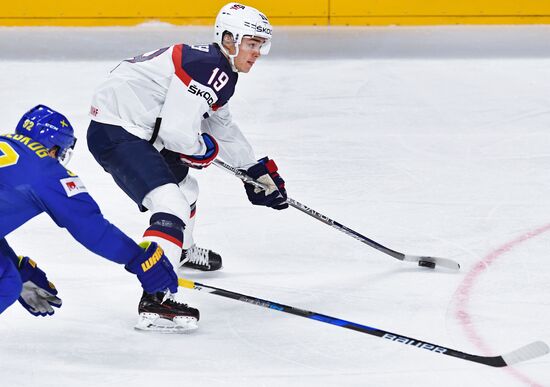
x: 32, y: 181
x: 160, y: 113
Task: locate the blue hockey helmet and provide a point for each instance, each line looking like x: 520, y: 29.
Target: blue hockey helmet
x: 49, y: 128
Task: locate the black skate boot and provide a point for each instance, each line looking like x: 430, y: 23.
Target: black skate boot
x: 201, y: 259
x: 161, y: 313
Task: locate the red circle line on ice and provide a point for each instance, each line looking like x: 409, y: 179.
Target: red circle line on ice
x: 464, y: 291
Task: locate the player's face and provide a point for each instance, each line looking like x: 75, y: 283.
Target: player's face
x: 53, y: 152
x: 249, y: 52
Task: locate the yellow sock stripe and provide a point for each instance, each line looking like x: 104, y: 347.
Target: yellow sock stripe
x: 184, y: 283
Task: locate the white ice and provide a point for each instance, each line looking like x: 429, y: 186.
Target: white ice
x: 442, y: 151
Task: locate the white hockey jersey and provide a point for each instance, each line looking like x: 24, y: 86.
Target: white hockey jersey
x: 188, y: 88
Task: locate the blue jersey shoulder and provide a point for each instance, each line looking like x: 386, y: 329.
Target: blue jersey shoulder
x: 30, y: 158
x: 31, y: 169
x: 208, y: 66
x: 31, y: 181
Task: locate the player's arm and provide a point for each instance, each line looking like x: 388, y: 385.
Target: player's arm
x: 7, y: 251
x: 181, y: 118
x: 236, y: 150
x: 71, y: 207
x: 234, y: 147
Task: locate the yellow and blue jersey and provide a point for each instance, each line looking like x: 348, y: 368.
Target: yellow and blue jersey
x: 31, y: 182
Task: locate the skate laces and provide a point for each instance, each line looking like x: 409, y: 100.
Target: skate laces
x: 168, y: 296
x: 170, y: 300
x: 197, y: 255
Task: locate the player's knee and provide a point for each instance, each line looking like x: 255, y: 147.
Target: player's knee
x: 167, y: 199
x: 190, y: 188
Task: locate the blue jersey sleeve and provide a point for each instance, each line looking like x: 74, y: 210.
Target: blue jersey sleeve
x: 7, y: 251
x: 71, y: 207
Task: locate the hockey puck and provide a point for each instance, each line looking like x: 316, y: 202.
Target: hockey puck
x: 429, y: 264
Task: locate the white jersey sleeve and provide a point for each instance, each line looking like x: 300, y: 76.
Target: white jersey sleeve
x: 182, y: 114
x: 234, y: 147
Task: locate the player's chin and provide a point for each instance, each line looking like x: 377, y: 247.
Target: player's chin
x: 248, y: 66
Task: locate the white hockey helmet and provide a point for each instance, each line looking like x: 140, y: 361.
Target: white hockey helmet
x: 242, y: 20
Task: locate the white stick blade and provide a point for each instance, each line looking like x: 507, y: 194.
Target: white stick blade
x: 530, y: 351
x: 443, y: 262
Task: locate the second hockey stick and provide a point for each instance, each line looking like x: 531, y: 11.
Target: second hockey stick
x: 527, y: 352
x: 423, y: 260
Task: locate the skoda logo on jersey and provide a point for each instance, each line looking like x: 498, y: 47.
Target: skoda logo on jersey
x: 193, y: 89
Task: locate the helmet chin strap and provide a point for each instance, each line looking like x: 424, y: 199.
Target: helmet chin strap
x: 232, y: 57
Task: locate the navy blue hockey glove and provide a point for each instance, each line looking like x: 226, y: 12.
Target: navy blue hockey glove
x: 265, y: 172
x: 38, y: 294
x: 204, y: 160
x: 153, y: 269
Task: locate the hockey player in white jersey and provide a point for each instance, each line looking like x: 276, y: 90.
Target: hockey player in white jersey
x: 162, y: 112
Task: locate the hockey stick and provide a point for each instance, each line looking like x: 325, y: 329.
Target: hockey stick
x: 422, y: 260
x: 527, y: 352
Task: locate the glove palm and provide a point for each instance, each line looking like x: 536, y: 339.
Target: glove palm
x: 38, y: 295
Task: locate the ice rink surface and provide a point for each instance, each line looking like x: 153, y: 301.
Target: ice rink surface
x: 430, y: 141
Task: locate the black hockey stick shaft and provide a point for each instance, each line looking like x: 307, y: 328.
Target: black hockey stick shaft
x: 527, y: 352
x: 314, y: 214
x: 338, y: 226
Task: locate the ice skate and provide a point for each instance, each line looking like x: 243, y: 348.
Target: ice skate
x: 201, y: 259
x: 163, y: 314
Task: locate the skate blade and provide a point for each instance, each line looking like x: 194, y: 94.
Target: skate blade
x: 154, y: 323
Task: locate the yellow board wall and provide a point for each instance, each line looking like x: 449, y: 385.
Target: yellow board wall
x: 281, y: 12
x: 429, y: 12
x: 113, y: 12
